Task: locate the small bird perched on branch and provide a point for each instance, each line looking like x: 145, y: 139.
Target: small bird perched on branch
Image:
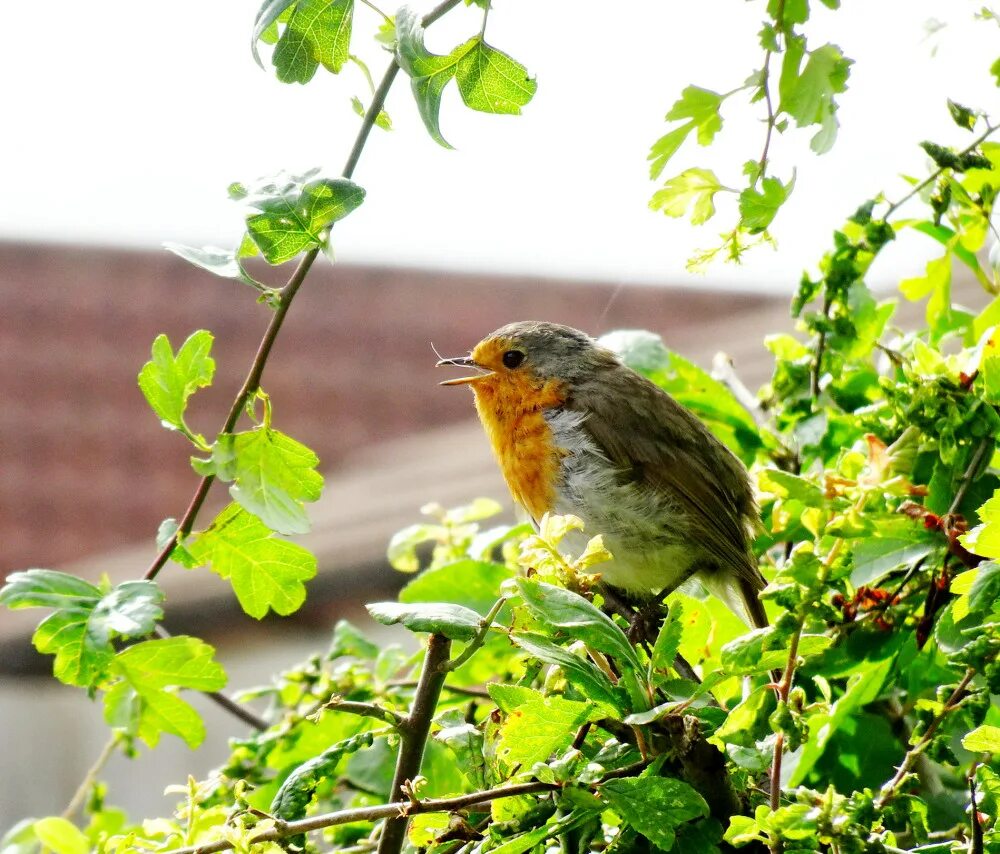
x: 577, y: 432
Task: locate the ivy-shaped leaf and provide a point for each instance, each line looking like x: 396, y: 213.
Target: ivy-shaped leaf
x: 267, y: 573
x: 488, y: 79
x: 296, y: 212
x: 85, y: 620
x: 168, y: 380
x: 318, y: 32
x: 701, y: 108
x: 759, y: 207
x: 491, y: 82
x: 145, y: 703
x: 271, y: 475
x: 808, y: 97
x: 693, y: 188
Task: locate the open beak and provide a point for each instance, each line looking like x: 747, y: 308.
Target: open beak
x: 461, y: 362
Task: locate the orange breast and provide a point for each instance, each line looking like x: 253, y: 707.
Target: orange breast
x: 512, y: 412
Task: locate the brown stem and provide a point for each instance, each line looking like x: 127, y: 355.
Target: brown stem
x: 413, y: 733
x: 969, y: 474
x: 80, y: 795
x: 888, y: 791
x: 399, y: 808
x: 252, y: 382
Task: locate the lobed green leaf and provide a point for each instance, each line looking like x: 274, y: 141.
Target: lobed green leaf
x: 267, y: 573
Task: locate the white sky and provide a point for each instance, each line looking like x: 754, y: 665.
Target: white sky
x: 127, y: 121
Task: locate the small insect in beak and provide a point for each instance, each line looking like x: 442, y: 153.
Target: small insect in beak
x: 463, y: 362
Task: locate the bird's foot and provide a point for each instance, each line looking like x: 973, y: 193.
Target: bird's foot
x: 645, y: 624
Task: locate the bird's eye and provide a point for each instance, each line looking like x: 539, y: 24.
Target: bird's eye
x: 512, y: 358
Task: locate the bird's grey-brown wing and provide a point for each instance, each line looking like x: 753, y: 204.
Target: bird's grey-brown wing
x: 647, y: 433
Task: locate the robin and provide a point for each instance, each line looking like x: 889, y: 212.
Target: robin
x: 577, y: 432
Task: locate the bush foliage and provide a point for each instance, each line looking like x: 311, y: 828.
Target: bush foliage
x: 527, y: 714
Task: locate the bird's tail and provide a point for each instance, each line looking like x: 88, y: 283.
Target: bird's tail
x: 750, y: 600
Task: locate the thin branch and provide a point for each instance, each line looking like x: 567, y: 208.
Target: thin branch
x: 413, y: 737
x: 725, y: 372
x: 970, y: 473
x: 285, y: 829
x: 367, y: 710
x: 237, y: 709
x: 889, y: 790
x: 480, y: 638
x: 817, y: 365
x: 930, y: 179
x: 80, y: 795
x: 478, y: 693
x: 765, y: 84
x: 252, y: 382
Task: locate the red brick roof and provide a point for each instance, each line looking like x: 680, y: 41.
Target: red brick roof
x: 84, y: 465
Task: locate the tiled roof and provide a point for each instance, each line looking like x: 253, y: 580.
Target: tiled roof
x: 84, y: 466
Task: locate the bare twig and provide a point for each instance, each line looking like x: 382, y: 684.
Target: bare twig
x: 80, y: 795
x: 969, y: 475
x: 288, y: 292
x: 367, y: 710
x: 285, y: 829
x: 478, y: 693
x: 889, y: 790
x: 413, y: 737
x: 480, y: 638
x: 724, y: 371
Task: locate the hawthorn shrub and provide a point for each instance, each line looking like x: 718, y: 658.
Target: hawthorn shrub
x: 531, y: 716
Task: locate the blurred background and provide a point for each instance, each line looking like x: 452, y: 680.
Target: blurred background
x: 125, y: 128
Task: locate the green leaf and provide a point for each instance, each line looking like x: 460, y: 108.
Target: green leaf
x: 267, y: 573
x: 474, y: 584
x: 585, y: 675
x: 984, y: 539
x: 440, y: 618
x: 862, y: 689
x: 962, y: 116
x: 348, y: 639
x: 168, y: 380
x: 764, y: 649
x: 85, y: 621
x: 983, y: 739
x: 668, y: 641
x: 875, y: 557
x: 295, y: 212
x: 758, y: 208
x: 488, y: 80
x: 429, y: 73
x: 561, y: 609
x: 47, y: 588
x: 272, y: 476
x: 654, y: 806
x: 145, y: 703
x: 61, y: 836
x: 492, y: 82
x: 693, y: 188
x: 299, y: 787
x: 318, y: 32
x: 267, y: 15
x: 541, y: 726
x: 219, y: 262
x: 701, y: 108
x: 691, y: 385
x: 935, y: 282
x: 810, y: 98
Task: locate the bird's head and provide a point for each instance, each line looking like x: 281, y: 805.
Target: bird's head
x: 528, y: 355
